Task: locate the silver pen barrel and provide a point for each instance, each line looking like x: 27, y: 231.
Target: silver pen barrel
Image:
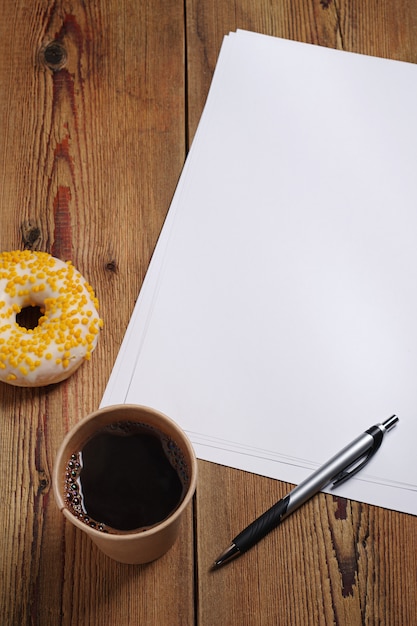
x: 327, y: 473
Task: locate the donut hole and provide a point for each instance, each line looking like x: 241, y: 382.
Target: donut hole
x: 29, y: 317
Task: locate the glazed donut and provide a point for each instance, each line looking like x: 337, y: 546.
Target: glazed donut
x: 68, y: 327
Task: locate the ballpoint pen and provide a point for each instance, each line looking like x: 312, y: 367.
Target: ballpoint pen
x: 337, y: 470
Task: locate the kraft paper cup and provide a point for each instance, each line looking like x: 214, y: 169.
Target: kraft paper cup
x: 137, y: 547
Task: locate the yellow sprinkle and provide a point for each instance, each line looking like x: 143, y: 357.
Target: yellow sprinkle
x: 64, y: 312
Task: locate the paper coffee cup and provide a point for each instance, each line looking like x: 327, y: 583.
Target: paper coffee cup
x: 133, y: 546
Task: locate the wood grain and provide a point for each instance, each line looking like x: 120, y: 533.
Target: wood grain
x: 92, y: 136
x: 99, y: 102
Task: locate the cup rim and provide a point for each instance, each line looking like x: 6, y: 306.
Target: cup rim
x: 123, y: 536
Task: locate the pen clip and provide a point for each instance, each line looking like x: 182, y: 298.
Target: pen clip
x: 347, y: 473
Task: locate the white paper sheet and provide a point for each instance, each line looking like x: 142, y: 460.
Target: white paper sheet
x: 278, y: 318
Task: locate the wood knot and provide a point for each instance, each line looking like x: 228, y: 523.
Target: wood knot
x: 43, y: 484
x: 54, y: 56
x: 111, y: 266
x: 31, y: 235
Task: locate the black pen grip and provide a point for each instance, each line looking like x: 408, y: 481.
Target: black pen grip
x: 262, y: 525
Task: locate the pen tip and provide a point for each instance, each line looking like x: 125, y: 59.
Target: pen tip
x: 227, y: 555
x: 218, y: 562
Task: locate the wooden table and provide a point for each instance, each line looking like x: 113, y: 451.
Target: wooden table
x: 99, y: 102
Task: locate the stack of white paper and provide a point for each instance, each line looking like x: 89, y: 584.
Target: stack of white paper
x: 278, y: 318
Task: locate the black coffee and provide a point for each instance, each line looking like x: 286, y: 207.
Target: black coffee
x: 128, y: 476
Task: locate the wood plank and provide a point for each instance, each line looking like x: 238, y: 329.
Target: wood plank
x: 92, y: 136
x: 335, y: 561
x: 379, y: 28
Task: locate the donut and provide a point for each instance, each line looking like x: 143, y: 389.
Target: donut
x: 67, y: 330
